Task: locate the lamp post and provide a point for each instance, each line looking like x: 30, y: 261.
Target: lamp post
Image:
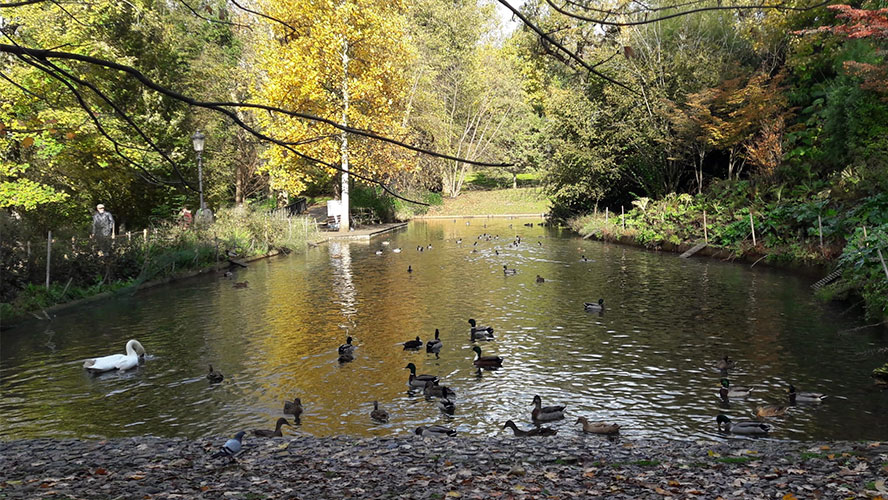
x: 198, y: 140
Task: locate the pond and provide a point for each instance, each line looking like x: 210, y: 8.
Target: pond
x: 647, y: 362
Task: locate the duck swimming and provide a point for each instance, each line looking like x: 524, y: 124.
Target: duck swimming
x: 770, y: 411
x: 347, y: 351
x: 447, y: 406
x: 275, y: 433
x: 509, y: 272
x: 435, y: 430
x: 598, y: 427
x: 122, y: 362
x: 293, y: 408
x: 432, y: 389
x: 481, y: 332
x: 536, y: 431
x: 214, y: 377
x: 804, y: 397
x: 418, y: 381
x: 434, y: 345
x: 413, y: 344
x: 742, y: 427
x: 725, y: 364
x: 729, y: 391
x: 486, y: 361
x: 592, y: 306
x: 379, y: 415
x: 545, y: 413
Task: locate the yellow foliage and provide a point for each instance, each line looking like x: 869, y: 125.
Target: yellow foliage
x: 304, y: 71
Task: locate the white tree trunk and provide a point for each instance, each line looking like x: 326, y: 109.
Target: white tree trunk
x: 344, y: 218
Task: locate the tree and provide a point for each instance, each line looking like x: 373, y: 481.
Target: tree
x: 343, y: 60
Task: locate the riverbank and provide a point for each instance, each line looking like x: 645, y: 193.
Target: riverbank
x: 414, y: 467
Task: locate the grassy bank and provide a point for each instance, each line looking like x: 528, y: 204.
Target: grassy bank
x: 801, y: 231
x: 80, y: 266
x: 497, y: 202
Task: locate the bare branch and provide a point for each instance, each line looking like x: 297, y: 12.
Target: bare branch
x: 217, y: 21
x: 266, y: 16
x: 564, y: 49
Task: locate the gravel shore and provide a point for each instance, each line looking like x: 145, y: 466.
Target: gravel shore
x: 416, y: 467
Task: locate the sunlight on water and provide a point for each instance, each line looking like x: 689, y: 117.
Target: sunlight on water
x: 647, y: 362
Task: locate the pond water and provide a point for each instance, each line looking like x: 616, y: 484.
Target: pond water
x: 647, y: 362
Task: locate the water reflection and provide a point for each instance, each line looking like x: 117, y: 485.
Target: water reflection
x: 646, y: 362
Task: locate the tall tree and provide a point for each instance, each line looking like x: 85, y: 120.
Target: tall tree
x: 344, y: 60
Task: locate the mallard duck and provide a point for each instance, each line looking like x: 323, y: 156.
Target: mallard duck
x: 536, y: 431
x: 122, y: 362
x: 432, y: 389
x: 214, y: 377
x: 347, y: 350
x: 592, y: 306
x: 293, y: 408
x: 540, y: 279
x: 481, y: 332
x: 435, y: 430
x: 741, y: 427
x: 486, y: 361
x: 769, y: 411
x: 728, y: 391
x: 509, y: 272
x: 418, y: 381
x: 598, y: 427
x: 545, y: 413
x: 409, y: 269
x: 379, y: 415
x: 584, y: 259
x: 804, y: 397
x: 397, y: 250
x: 413, y: 344
x: 725, y: 364
x: 447, y: 406
x: 241, y: 284
x: 434, y: 345
x: 275, y: 433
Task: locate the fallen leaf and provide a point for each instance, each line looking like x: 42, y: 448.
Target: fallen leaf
x: 204, y: 488
x: 673, y: 482
x: 874, y: 444
x: 552, y: 476
x: 712, y: 454
x: 100, y: 471
x: 880, y: 485
x: 136, y: 477
x: 824, y: 447
x: 661, y: 491
x: 27, y: 142
x: 454, y: 494
x: 790, y: 496
x: 69, y: 135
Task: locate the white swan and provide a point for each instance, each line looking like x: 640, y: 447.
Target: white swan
x: 117, y: 361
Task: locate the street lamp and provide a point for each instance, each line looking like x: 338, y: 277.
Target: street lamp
x: 198, y: 139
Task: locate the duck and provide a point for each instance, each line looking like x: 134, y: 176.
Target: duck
x: 545, y: 413
x: 241, y: 284
x: 742, y: 427
x: 729, y: 391
x: 214, y: 377
x: 769, y: 411
x: 536, y: 431
x: 418, y: 381
x: 725, y: 364
x: 121, y: 362
x: 435, y: 430
x: 509, y: 272
x: 275, y: 433
x: 379, y: 415
x: 592, y: 306
x: 413, y: 344
x: 447, y: 406
x: 397, y: 250
x: 293, y: 408
x: 804, y: 397
x: 584, y: 259
x: 347, y: 350
x: 378, y: 252
x: 598, y: 427
x: 540, y: 279
x: 228, y: 274
x: 486, y: 361
x: 409, y: 269
x: 459, y: 241
x: 481, y: 332
x: 432, y: 389
x: 434, y: 345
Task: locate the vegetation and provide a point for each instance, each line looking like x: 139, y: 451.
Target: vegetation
x: 81, y: 266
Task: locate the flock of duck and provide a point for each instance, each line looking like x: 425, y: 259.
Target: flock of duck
x: 431, y: 386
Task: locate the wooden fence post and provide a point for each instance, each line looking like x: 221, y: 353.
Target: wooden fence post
x: 606, y: 214
x: 820, y: 231
x: 752, y: 227
x: 145, y: 234
x: 705, y: 232
x: 623, y: 216
x: 48, y: 256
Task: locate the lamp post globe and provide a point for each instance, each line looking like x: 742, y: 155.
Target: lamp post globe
x: 198, y: 140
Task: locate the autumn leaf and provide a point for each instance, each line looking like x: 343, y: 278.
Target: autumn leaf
x: 790, y: 496
x: 27, y: 142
